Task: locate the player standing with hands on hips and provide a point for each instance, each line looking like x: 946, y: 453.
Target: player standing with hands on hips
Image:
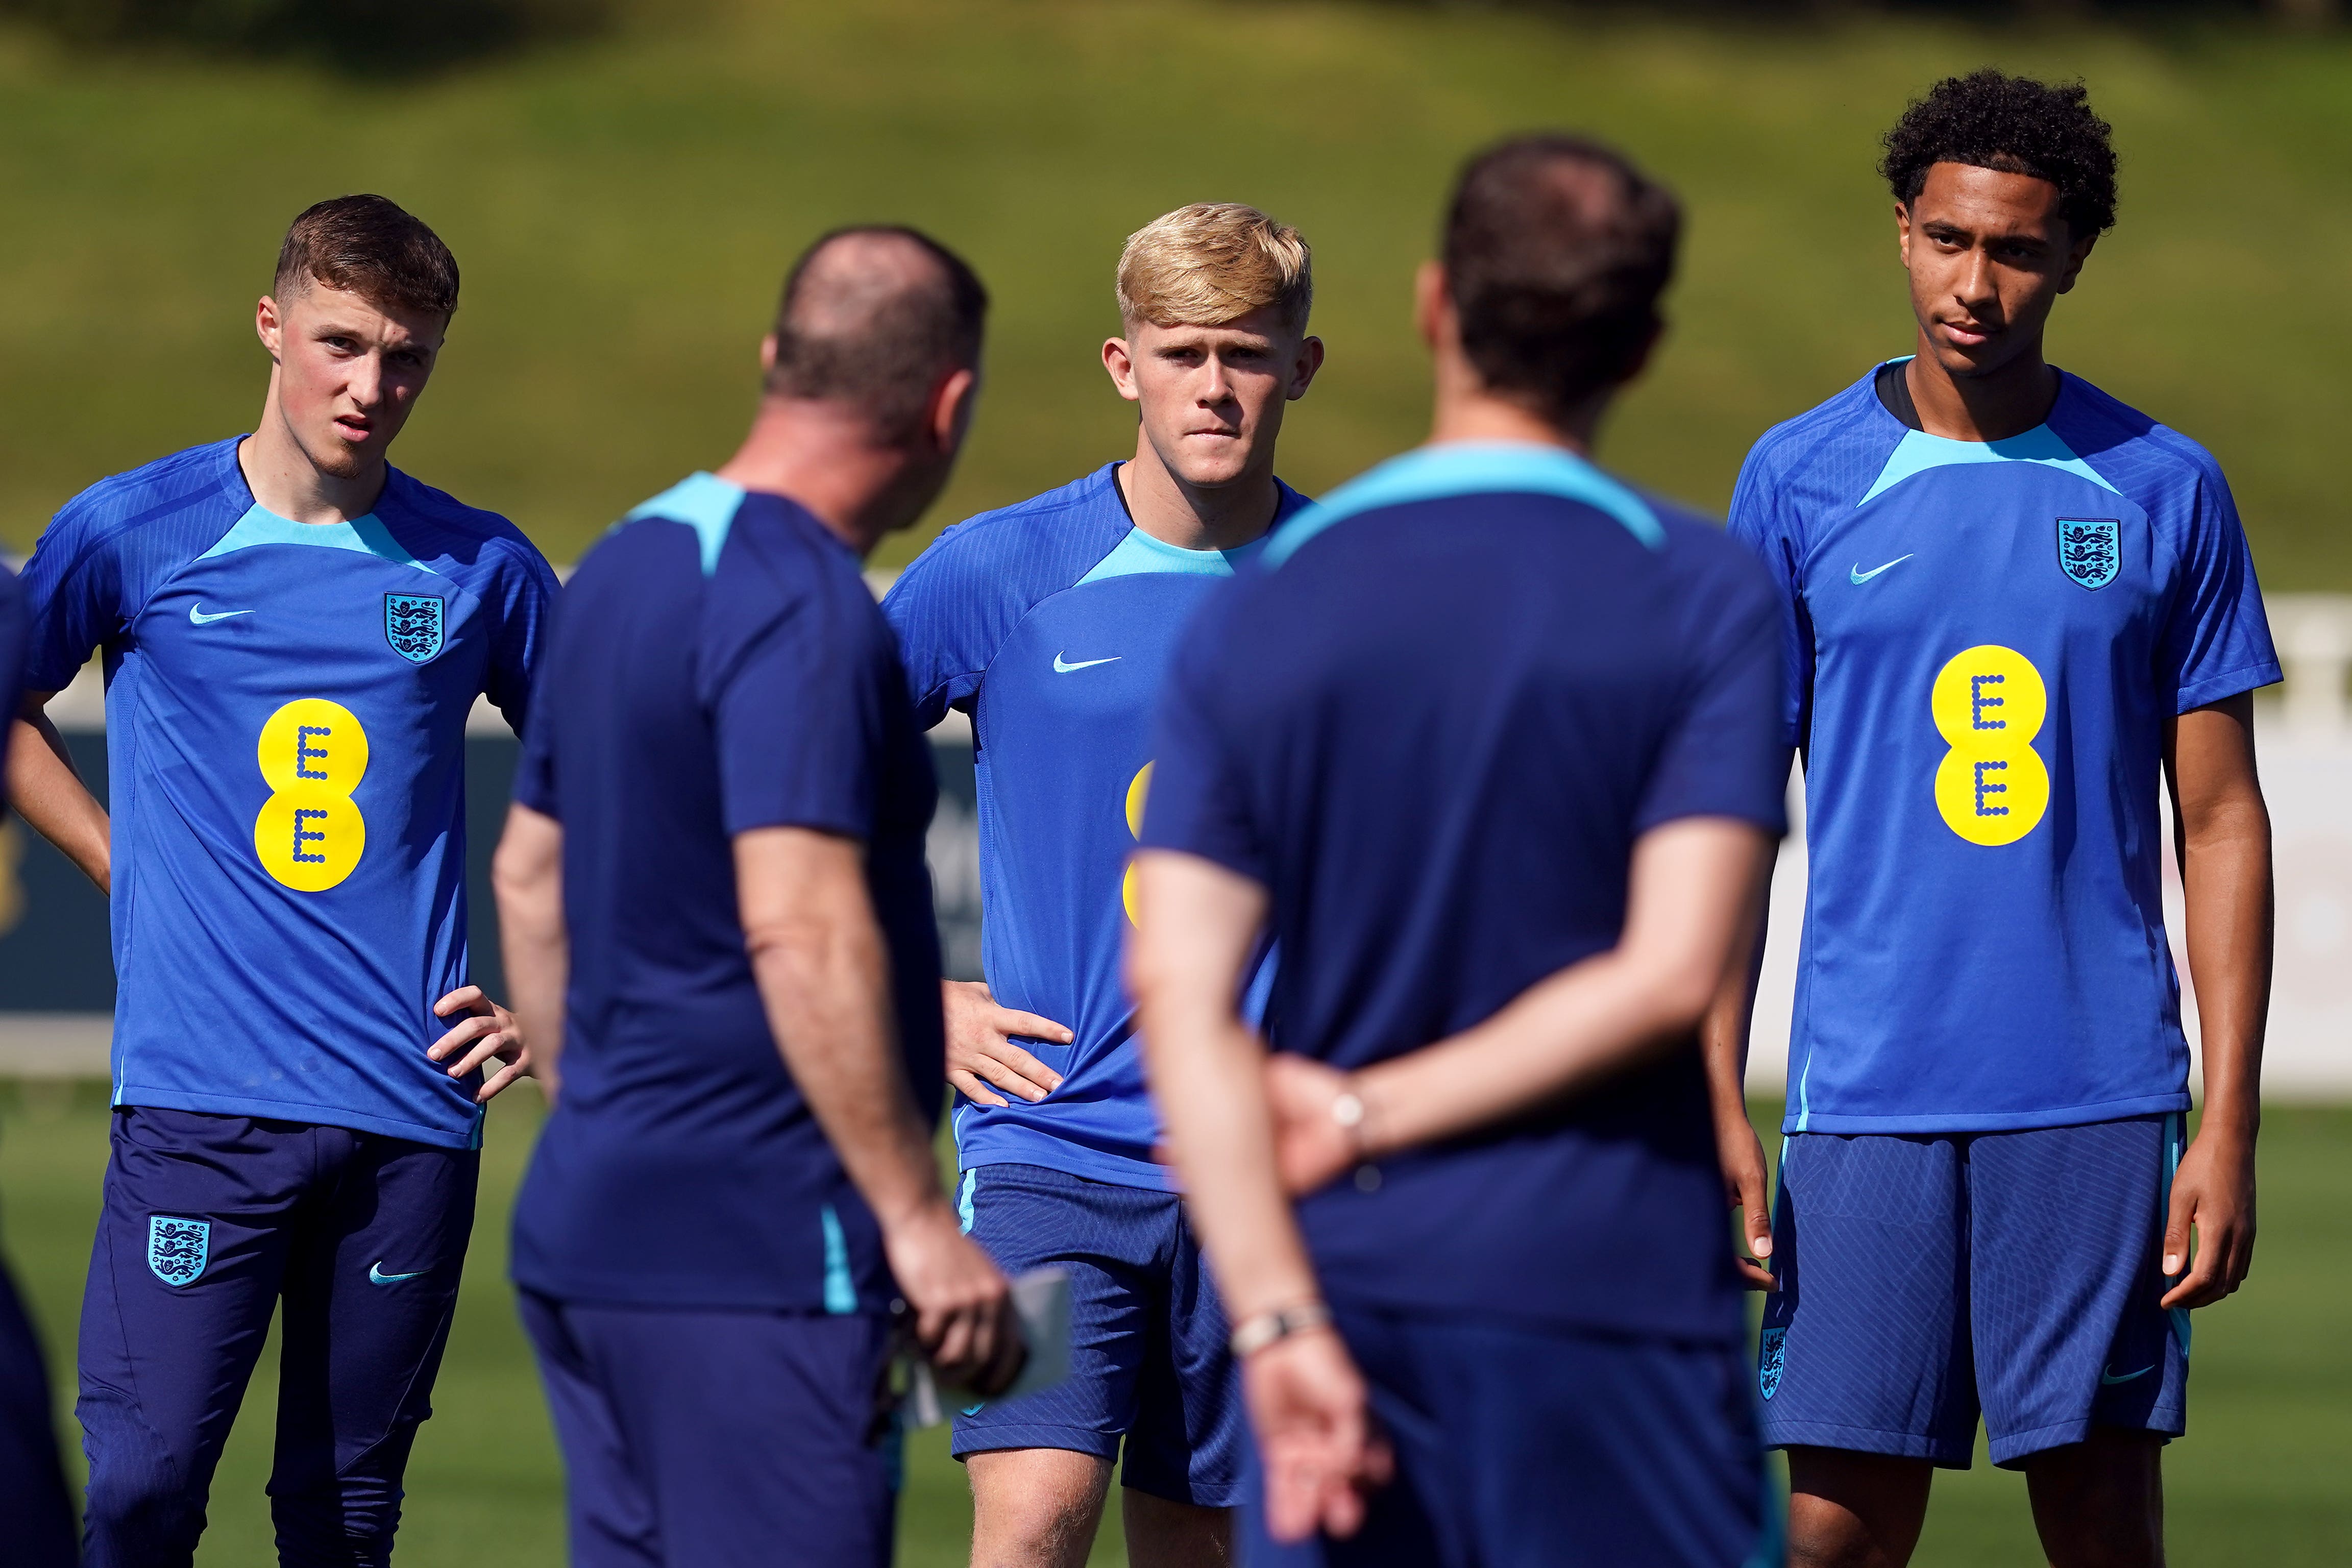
x: 1053, y: 622
x: 2013, y: 610
x: 1487, y: 741
x: 714, y: 900
x: 294, y: 632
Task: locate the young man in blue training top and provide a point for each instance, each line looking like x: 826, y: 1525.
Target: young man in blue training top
x: 1487, y: 740
x: 294, y: 632
x: 716, y: 907
x: 1050, y: 623
x: 2014, y: 610
x: 33, y: 1497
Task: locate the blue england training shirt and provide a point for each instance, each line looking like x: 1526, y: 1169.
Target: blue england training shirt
x: 286, y: 718
x: 1985, y: 642
x: 1432, y: 725
x: 1052, y: 623
x: 717, y: 665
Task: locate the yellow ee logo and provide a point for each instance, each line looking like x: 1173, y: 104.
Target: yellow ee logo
x: 1990, y: 703
x: 1136, y: 790
x: 314, y: 753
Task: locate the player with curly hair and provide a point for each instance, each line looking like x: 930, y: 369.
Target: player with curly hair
x: 2014, y: 610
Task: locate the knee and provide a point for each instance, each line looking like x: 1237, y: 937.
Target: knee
x: 140, y: 1507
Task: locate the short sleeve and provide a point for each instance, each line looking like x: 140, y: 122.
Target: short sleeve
x: 940, y: 617
x: 1726, y: 753
x: 13, y: 634
x: 535, y: 781
x: 1760, y: 519
x: 73, y: 600
x: 798, y: 715
x: 2217, y: 641
x: 1201, y: 800
x: 527, y: 591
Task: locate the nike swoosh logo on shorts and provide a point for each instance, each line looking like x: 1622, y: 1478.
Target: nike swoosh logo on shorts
x: 376, y: 1276
x: 1859, y: 575
x: 2112, y: 1378
x: 197, y: 617
x: 1061, y: 668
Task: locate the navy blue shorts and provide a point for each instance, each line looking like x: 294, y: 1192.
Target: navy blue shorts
x: 700, y: 1437
x: 1147, y: 1355
x: 1925, y: 1278
x: 1524, y: 1446
x: 208, y: 1221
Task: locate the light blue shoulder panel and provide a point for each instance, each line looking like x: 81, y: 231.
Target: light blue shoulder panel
x: 705, y: 503
x: 1139, y: 554
x: 1472, y: 468
x: 367, y: 535
x: 1918, y: 452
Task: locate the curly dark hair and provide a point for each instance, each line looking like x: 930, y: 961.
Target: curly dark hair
x: 2018, y: 125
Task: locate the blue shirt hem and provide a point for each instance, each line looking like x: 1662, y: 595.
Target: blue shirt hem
x: 290, y: 1110
x: 1990, y: 1120
x: 1026, y: 1146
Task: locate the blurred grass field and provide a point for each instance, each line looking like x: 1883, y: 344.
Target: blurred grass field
x: 2259, y: 1479
x: 623, y: 208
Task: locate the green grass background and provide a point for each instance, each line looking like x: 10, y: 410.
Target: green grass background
x: 624, y: 208
x: 2259, y: 1479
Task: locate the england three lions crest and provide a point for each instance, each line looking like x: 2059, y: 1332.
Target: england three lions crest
x: 413, y: 624
x: 178, y: 1249
x: 2090, y: 549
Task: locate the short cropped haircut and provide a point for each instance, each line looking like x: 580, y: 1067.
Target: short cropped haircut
x: 878, y: 337
x: 1555, y: 250
x: 368, y: 245
x: 1213, y: 262
x: 2017, y: 125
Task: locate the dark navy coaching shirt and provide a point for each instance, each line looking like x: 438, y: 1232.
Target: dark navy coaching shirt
x: 1432, y: 725
x: 718, y: 666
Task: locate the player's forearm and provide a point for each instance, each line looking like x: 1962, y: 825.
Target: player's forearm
x: 1691, y: 899
x: 818, y: 958
x: 527, y: 874
x: 1196, y: 925
x: 1723, y: 1032
x: 49, y: 793
x: 2227, y: 894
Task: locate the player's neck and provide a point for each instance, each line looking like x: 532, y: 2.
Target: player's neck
x: 1468, y: 413
x: 1195, y: 517
x: 823, y: 457
x: 2005, y: 402
x: 284, y: 480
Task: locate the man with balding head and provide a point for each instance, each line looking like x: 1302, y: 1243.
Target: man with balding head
x: 715, y: 902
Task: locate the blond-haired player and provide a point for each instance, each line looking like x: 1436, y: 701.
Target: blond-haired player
x: 1052, y: 624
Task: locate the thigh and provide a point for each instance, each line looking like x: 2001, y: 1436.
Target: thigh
x: 758, y: 1436
x: 2067, y: 1274
x: 184, y: 1275
x: 1191, y: 1436
x: 371, y: 1285
x: 609, y: 1513
x: 1866, y: 1342
x: 1103, y: 1238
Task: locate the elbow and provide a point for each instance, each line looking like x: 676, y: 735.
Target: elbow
x: 1681, y: 996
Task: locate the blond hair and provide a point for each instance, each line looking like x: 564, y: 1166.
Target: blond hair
x: 1214, y: 262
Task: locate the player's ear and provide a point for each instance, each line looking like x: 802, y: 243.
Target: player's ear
x: 768, y: 353
x: 2076, y: 254
x: 1119, y: 359
x: 266, y: 325
x: 1430, y: 305
x: 949, y: 414
x: 1310, y: 360
x: 1903, y: 233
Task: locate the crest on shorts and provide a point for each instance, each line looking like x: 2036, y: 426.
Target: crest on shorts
x: 2090, y: 549
x: 413, y: 626
x: 178, y: 1249
x: 1772, y: 1351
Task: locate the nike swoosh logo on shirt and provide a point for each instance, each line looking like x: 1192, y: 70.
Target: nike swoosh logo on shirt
x: 376, y: 1276
x: 196, y: 615
x: 1060, y: 667
x: 1859, y: 575
x: 2109, y: 1377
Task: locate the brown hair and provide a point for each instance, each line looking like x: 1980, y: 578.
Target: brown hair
x: 368, y: 245
x: 1214, y: 262
x: 1556, y: 251
x: 863, y: 328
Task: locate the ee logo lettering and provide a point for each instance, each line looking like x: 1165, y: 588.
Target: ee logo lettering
x: 1990, y: 703
x: 314, y: 753
x: 1136, y: 790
